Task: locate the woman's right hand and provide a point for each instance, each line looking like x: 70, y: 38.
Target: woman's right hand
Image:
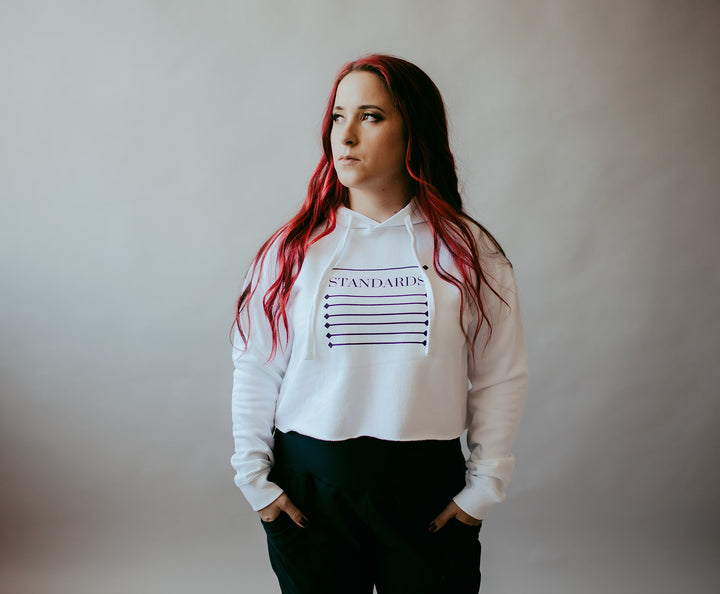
x: 283, y: 505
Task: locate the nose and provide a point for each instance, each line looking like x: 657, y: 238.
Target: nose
x: 349, y: 135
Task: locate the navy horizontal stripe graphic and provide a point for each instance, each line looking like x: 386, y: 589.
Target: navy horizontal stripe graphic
x: 378, y: 296
x: 334, y: 344
x: 397, y: 313
x: 376, y: 269
x: 328, y: 324
x: 329, y: 335
x: 328, y: 305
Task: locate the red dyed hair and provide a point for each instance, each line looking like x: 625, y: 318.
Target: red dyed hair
x: 431, y: 167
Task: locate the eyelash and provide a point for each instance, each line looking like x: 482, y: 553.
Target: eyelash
x: 366, y: 116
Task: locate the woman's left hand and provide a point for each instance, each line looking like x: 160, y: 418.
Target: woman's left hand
x: 452, y: 511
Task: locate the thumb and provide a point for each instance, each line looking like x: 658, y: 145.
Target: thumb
x: 295, y: 514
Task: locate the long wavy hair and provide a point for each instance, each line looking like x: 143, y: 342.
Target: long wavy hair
x: 430, y: 166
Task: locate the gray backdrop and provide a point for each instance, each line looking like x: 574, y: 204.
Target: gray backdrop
x: 148, y: 147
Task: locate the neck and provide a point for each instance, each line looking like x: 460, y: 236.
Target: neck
x: 378, y: 207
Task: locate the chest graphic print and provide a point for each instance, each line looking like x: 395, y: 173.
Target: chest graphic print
x: 376, y: 306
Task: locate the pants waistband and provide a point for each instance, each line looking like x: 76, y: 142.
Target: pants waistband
x: 369, y: 462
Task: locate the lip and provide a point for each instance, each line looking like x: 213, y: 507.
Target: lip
x: 347, y: 159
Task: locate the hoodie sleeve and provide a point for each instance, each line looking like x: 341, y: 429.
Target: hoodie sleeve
x: 498, y: 375
x: 256, y: 384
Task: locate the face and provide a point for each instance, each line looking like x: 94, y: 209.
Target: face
x: 368, y: 136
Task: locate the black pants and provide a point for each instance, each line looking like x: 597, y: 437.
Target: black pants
x: 369, y: 503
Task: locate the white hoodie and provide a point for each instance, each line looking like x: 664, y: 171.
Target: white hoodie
x: 376, y: 348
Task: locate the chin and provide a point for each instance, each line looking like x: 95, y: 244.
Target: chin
x: 349, y: 181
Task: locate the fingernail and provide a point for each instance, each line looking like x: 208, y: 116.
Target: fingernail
x: 304, y: 522
x: 432, y: 527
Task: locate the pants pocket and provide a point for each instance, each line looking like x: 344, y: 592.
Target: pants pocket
x: 460, y: 526
x: 280, y: 526
x: 460, y: 556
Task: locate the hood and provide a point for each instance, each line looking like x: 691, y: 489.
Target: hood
x: 355, y: 220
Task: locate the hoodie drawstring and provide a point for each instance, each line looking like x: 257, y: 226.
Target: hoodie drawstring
x: 322, y: 279
x: 428, y: 287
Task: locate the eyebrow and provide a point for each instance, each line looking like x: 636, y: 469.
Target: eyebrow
x: 340, y: 108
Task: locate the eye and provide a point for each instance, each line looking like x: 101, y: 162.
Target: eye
x: 370, y: 116
x: 337, y: 117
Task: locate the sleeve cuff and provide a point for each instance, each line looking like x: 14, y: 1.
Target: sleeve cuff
x: 476, y: 500
x: 260, y: 492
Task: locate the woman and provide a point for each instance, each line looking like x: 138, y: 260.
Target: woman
x: 373, y: 329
